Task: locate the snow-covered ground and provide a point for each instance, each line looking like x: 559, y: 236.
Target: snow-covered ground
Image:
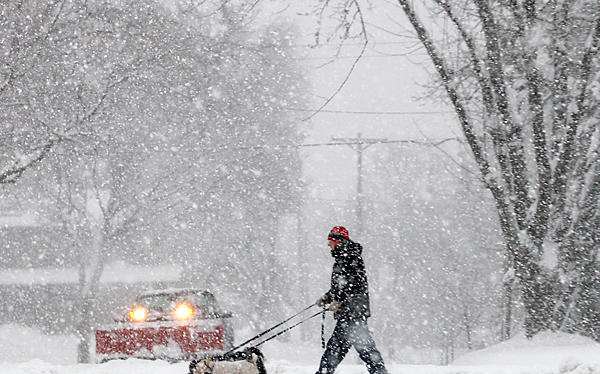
x: 27, y: 351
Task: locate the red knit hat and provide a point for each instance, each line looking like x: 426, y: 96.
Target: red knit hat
x: 337, y: 233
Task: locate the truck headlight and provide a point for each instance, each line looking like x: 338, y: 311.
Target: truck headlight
x: 183, y: 311
x: 138, y: 314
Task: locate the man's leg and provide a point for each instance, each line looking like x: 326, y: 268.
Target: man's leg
x: 360, y: 337
x: 336, y: 349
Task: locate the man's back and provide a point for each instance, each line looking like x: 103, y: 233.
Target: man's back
x: 349, y: 283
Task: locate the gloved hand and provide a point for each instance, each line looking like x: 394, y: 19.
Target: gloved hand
x: 334, y: 306
x: 323, y: 300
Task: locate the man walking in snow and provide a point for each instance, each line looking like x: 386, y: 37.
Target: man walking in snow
x: 348, y: 298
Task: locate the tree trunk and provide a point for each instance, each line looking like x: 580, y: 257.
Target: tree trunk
x: 467, y: 324
x: 88, y: 289
x: 537, y: 295
x: 84, y: 331
x: 507, y: 311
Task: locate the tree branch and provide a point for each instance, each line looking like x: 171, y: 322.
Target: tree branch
x: 515, y: 140
x: 12, y: 174
x: 355, y: 62
x: 568, y: 145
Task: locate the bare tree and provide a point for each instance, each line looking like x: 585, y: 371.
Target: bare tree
x: 142, y: 121
x: 51, y: 92
x: 247, y: 165
x: 522, y: 77
x: 91, y: 99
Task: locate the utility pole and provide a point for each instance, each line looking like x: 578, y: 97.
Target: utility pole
x: 359, y: 144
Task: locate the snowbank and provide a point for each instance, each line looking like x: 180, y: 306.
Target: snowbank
x: 28, y: 351
x: 131, y: 366
x: 21, y: 344
x: 549, y: 350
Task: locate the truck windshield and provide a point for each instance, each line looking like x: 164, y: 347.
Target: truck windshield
x: 162, y: 304
x: 165, y: 303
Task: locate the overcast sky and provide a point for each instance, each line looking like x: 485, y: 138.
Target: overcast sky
x: 389, y: 79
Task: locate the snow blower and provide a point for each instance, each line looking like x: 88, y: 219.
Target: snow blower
x: 246, y: 361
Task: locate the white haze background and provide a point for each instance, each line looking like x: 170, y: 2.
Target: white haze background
x: 381, y: 100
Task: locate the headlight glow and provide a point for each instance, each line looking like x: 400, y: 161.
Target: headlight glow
x: 183, y: 311
x: 138, y: 314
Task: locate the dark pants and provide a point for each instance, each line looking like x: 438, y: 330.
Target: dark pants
x: 351, y: 333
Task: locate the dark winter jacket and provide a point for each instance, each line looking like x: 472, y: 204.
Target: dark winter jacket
x: 349, y: 282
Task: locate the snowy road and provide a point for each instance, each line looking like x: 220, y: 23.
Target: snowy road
x: 27, y: 351
x: 283, y: 367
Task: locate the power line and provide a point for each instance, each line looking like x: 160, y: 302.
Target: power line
x: 334, y: 143
x: 379, y: 141
x: 355, y: 57
x: 225, y: 148
x: 336, y: 45
x: 368, y: 112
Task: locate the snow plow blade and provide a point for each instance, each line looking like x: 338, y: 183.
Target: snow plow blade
x: 160, y: 340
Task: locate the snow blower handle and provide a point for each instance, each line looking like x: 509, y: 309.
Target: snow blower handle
x: 269, y: 330
x: 287, y: 329
x: 323, y: 328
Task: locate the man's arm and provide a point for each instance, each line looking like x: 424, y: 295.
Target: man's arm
x: 341, y: 281
x: 335, y: 291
